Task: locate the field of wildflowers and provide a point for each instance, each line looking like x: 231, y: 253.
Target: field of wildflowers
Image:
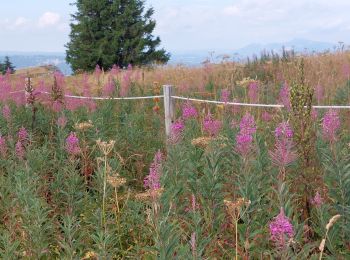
x: 87, y: 179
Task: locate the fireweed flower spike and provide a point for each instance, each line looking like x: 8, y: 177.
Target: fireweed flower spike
x: 20, y: 151
x: 3, y: 147
x: 330, y: 125
x: 6, y: 113
x: 22, y: 135
x: 281, y: 230
x: 211, y: 126
x: 225, y: 95
x: 283, y: 153
x: 177, y: 129
x: 244, y: 138
x: 188, y: 111
x: 152, y: 180
x: 72, y: 144
x: 317, y: 200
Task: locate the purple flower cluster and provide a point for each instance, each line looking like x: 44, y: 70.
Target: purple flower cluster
x: 283, y: 153
x: 3, y: 147
x: 317, y: 200
x: 330, y: 125
x: 72, y: 144
x: 6, y: 113
x: 177, y: 129
x: 281, y: 230
x: 152, y: 180
x: 22, y: 135
x: 211, y: 126
x: 284, y: 96
x: 225, y: 95
x: 188, y: 111
x: 253, y: 91
x: 22, y: 141
x: 244, y: 138
x: 283, y: 131
x: 62, y: 121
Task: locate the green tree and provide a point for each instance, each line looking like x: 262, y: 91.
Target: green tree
x: 108, y: 32
x: 7, y: 65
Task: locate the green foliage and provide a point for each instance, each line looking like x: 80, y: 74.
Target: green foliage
x: 6, y: 65
x: 116, y: 32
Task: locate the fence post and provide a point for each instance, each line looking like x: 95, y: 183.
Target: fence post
x: 168, y: 108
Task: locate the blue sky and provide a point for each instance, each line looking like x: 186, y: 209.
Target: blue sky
x: 186, y: 25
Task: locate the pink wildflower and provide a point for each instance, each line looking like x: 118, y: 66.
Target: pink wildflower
x: 6, y: 112
x: 3, y: 146
x: 20, y: 151
x: 188, y: 111
x: 319, y: 92
x: 283, y: 131
x: 193, y: 244
x: 109, y: 87
x: 266, y: 116
x: 152, y: 180
x: 72, y: 144
x: 284, y: 96
x: 253, y: 91
x: 244, y: 144
x: 97, y: 72
x: 317, y: 201
x: 281, y: 230
x: 330, y: 125
x: 177, y: 130
x: 62, y: 121
x: 211, y: 126
x: 22, y: 135
x: 247, y: 124
x: 225, y: 95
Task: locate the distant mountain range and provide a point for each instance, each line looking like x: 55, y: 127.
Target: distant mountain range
x: 189, y: 58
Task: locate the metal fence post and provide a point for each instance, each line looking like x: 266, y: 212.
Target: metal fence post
x: 168, y: 108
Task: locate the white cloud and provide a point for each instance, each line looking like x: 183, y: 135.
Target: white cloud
x: 20, y: 21
x: 231, y: 10
x: 49, y: 19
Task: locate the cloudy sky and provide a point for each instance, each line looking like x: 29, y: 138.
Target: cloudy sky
x: 185, y: 25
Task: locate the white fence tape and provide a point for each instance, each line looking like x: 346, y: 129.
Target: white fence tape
x: 192, y: 99
x: 249, y: 104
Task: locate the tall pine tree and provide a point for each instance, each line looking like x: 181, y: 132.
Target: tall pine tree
x: 108, y: 32
x: 7, y: 65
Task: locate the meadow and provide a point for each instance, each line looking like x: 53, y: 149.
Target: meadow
x: 99, y: 179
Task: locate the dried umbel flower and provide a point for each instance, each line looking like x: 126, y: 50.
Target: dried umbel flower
x: 72, y: 144
x: 83, y: 126
x: 202, y: 142
x: 234, y: 207
x: 105, y: 147
x: 116, y: 181
x: 330, y: 125
x: 148, y: 195
x: 281, y: 230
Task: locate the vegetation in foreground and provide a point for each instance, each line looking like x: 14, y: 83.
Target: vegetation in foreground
x: 80, y: 179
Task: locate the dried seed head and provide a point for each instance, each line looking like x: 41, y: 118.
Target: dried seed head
x: 321, y: 247
x: 332, y: 221
x: 105, y: 147
x: 202, y: 142
x: 83, y: 126
x: 116, y: 181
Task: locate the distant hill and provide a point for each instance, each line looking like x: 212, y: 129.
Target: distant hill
x: 189, y: 58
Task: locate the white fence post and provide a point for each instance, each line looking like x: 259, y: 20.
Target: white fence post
x: 168, y: 108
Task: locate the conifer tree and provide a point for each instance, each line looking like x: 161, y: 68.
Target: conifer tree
x: 7, y: 65
x: 108, y: 32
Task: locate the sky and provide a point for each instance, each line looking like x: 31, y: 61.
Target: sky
x: 186, y: 25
